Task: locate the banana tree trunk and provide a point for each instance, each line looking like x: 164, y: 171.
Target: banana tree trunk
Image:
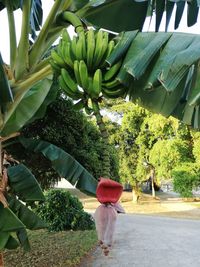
x: 104, y: 135
x: 1, y: 259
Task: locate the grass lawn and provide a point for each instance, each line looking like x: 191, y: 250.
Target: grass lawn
x: 65, y: 249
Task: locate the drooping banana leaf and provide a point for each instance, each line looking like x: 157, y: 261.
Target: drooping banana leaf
x: 125, y: 39
x: 23, y: 239
x: 12, y: 222
x: 5, y: 91
x: 26, y: 215
x: 11, y: 243
x: 162, y: 74
x: 131, y: 14
x: 4, y: 237
x: 24, y: 184
x: 51, y: 96
x: 27, y: 107
x: 66, y: 166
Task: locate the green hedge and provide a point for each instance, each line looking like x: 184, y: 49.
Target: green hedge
x: 63, y: 211
x: 186, y: 178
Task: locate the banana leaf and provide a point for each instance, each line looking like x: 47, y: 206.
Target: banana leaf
x: 143, y: 49
x: 24, y: 184
x: 27, y: 107
x: 130, y: 14
x: 51, y: 96
x: 12, y: 243
x: 36, y: 15
x: 125, y: 39
x: 5, y: 91
x: 12, y: 222
x: 66, y: 166
x: 4, y: 237
x: 26, y: 215
x: 23, y: 239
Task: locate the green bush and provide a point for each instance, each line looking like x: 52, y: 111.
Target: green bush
x: 62, y: 211
x: 186, y: 178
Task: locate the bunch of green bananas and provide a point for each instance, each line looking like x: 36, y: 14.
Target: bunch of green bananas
x: 81, y: 66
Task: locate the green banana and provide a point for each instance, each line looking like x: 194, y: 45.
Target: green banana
x: 81, y: 36
x: 98, y: 48
x: 118, y: 92
x: 57, y: 59
x: 90, y: 48
x: 69, y: 81
x: 65, y: 36
x: 111, y: 46
x: 83, y: 72
x: 54, y: 66
x: 73, y: 46
x: 101, y: 59
x: 66, y: 89
x: 112, y: 84
x: 79, y: 49
x: 97, y: 81
x: 112, y: 71
x: 76, y: 72
x: 67, y: 55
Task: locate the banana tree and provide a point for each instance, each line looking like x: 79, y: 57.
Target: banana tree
x: 26, y: 84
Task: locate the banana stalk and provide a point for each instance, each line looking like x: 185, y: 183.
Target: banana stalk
x: 12, y: 33
x: 104, y: 134
x: 22, y: 61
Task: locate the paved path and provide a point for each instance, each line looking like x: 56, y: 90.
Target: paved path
x: 147, y: 241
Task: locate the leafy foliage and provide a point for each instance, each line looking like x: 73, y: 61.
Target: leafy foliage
x: 165, y: 155
x: 62, y: 212
x: 78, y: 136
x: 186, y: 178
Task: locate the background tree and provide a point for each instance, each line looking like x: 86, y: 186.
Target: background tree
x: 70, y: 130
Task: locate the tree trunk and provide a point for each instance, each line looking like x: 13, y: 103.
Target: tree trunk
x: 152, y: 182
x: 1, y: 259
x: 104, y: 135
x: 135, y: 194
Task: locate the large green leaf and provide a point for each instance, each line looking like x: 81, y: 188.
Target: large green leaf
x: 12, y: 222
x: 125, y: 39
x: 23, y: 239
x: 4, y: 236
x: 66, y: 166
x: 130, y: 14
x: 51, y: 96
x: 26, y: 215
x: 24, y: 184
x: 11, y: 243
x: 5, y: 91
x: 27, y: 107
x: 162, y: 74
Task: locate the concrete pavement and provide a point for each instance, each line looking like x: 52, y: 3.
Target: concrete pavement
x: 151, y: 241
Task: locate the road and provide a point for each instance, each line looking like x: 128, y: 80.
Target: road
x: 151, y: 241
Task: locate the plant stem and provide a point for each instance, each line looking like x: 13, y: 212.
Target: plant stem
x: 22, y: 86
x: 104, y: 135
x: 22, y: 63
x: 12, y: 33
x: 37, y: 48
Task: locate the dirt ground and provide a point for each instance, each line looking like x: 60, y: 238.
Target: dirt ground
x: 165, y: 204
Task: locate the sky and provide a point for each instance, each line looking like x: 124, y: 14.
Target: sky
x: 4, y: 43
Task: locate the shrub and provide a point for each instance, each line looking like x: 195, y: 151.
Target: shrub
x: 186, y: 178
x: 62, y: 211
